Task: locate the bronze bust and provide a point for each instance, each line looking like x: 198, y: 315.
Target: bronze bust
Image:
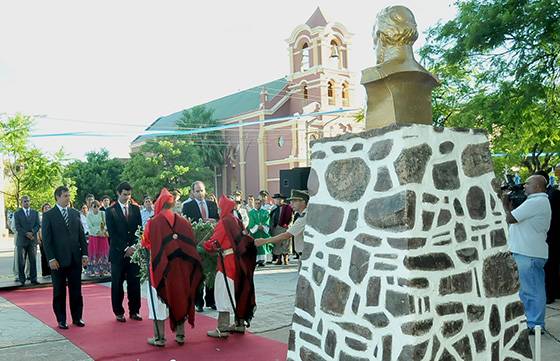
x: 398, y: 88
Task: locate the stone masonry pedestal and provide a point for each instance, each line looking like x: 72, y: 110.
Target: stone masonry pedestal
x: 405, y: 252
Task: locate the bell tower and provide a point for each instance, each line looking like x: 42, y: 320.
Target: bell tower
x: 319, y: 60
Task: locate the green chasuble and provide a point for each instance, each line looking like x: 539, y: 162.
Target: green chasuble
x: 258, y: 218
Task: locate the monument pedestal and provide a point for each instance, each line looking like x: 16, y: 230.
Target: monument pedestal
x: 405, y: 252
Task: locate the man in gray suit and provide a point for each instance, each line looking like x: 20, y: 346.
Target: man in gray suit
x: 27, y: 225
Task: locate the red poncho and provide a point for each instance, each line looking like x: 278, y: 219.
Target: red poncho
x: 176, y: 269
x: 240, y: 265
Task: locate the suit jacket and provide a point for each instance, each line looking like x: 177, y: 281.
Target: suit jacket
x: 24, y: 224
x: 192, y: 211
x: 61, y: 242
x: 122, y: 232
x: 281, y: 216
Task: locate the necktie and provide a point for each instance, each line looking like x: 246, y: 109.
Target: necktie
x: 203, y: 211
x: 65, y: 216
x: 126, y: 212
x: 27, y: 213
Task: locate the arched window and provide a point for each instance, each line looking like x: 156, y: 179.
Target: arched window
x: 345, y: 94
x: 305, y: 91
x: 331, y: 93
x: 335, y: 57
x: 305, y: 56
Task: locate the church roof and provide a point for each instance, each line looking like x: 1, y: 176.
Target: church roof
x: 242, y: 102
x: 317, y: 19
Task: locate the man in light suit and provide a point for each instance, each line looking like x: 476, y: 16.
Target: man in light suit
x: 200, y: 209
x: 64, y: 242
x: 27, y: 225
x: 123, y: 220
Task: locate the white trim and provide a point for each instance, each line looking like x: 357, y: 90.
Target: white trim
x: 280, y: 124
x: 279, y: 161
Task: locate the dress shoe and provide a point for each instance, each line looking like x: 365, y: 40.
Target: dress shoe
x: 34, y: 282
x: 120, y: 318
x: 135, y: 317
x: 62, y: 325
x: 213, y: 307
x: 79, y: 323
x: 199, y: 309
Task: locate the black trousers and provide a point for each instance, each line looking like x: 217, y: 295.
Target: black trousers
x: 45, y: 269
x: 24, y: 253
x: 122, y: 269
x: 201, y: 298
x: 71, y: 276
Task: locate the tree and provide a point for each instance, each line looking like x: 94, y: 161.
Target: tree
x: 210, y: 145
x: 499, y: 62
x: 98, y: 174
x: 172, y: 163
x: 27, y: 170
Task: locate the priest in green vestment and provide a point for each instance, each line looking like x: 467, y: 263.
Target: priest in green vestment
x: 259, y: 227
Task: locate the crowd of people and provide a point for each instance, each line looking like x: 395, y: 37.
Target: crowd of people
x: 101, y: 237
x: 248, y: 233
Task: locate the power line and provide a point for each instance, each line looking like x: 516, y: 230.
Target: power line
x: 285, y: 92
x: 160, y: 133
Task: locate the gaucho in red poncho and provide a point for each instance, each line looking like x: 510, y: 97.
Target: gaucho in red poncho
x: 239, y: 259
x: 176, y: 269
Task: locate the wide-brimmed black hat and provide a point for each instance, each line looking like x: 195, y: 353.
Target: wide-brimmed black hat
x: 278, y: 195
x: 299, y: 195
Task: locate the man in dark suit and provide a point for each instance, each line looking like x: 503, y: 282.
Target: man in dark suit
x: 200, y: 209
x: 65, y: 244
x: 26, y: 222
x: 123, y: 220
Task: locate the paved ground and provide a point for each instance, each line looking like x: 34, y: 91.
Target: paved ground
x: 23, y: 337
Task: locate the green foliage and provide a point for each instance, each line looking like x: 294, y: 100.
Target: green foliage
x: 141, y: 257
x: 499, y: 63
x: 202, y: 232
x: 210, y: 145
x: 172, y: 163
x: 27, y: 170
x: 98, y: 175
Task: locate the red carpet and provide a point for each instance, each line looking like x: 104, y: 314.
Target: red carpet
x: 105, y: 339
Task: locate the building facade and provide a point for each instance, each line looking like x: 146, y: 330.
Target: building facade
x: 319, y: 81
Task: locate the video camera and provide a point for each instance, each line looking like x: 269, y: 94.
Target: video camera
x: 516, y: 192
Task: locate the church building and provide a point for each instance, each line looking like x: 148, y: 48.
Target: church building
x: 319, y: 81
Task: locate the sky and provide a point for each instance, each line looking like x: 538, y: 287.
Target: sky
x: 114, y: 67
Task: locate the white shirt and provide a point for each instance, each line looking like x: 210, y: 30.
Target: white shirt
x: 123, y: 206
x: 202, y: 204
x: 296, y: 230
x: 60, y: 208
x: 527, y: 237
x: 146, y: 214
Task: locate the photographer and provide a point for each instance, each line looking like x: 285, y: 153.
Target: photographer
x: 552, y: 266
x: 528, y: 229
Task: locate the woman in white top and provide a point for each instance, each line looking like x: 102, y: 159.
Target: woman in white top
x: 98, y: 242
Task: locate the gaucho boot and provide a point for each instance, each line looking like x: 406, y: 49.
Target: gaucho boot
x: 180, y: 333
x: 159, y: 334
x: 222, y: 329
x: 237, y: 327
